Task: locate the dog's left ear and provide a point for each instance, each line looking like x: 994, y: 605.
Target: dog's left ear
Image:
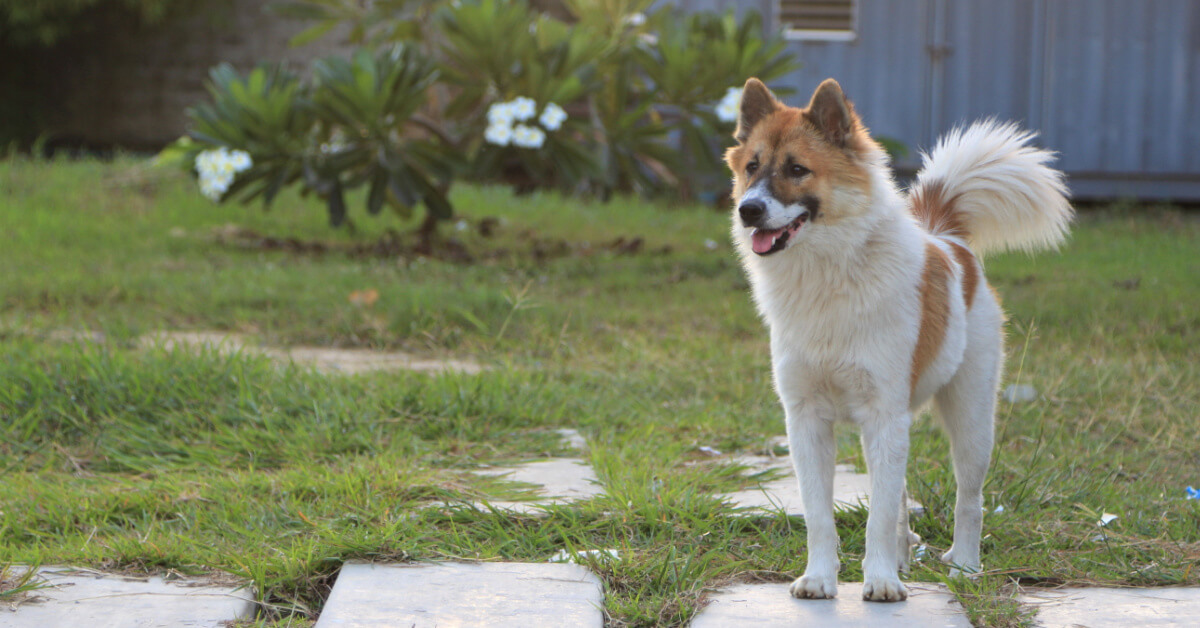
x: 831, y: 113
x: 757, y: 103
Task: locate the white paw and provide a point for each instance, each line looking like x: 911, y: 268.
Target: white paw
x: 815, y: 587
x: 885, y: 589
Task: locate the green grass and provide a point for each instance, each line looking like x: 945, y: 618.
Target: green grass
x: 145, y: 459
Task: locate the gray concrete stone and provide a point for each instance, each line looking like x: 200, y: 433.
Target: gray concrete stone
x: 445, y: 595
x: 559, y: 480
x: 849, y: 487
x: 81, y: 598
x: 784, y: 492
x: 324, y: 359
x: 1103, y: 607
x: 767, y: 605
x: 572, y: 439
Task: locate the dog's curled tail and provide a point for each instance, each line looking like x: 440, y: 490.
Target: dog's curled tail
x: 986, y: 184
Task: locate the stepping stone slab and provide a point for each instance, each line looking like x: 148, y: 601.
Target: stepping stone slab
x: 769, y: 605
x: 78, y: 598
x: 327, y: 360
x: 516, y: 595
x: 849, y: 487
x: 561, y: 480
x: 1102, y: 607
x: 784, y: 492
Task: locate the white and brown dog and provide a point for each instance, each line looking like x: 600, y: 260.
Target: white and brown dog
x: 876, y: 303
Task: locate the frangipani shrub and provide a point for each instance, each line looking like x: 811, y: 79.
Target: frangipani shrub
x: 515, y: 74
x: 611, y: 96
x: 351, y: 125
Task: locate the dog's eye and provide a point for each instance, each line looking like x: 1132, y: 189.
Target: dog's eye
x: 799, y: 171
x: 752, y: 167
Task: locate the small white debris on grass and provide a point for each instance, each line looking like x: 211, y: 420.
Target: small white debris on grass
x: 921, y: 552
x: 705, y: 449
x: 710, y: 245
x: 563, y: 556
x: 1106, y: 519
x: 1020, y: 393
x: 999, y: 510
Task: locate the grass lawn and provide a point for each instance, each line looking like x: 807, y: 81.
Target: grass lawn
x: 145, y: 460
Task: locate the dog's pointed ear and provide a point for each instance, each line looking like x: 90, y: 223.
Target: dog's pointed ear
x: 831, y: 113
x: 757, y: 103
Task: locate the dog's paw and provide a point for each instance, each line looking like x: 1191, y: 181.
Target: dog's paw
x: 814, y: 587
x: 884, y: 590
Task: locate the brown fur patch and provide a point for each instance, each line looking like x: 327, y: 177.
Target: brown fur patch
x: 935, y: 211
x: 935, y: 311
x: 970, y: 270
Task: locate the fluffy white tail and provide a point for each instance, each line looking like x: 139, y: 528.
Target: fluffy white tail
x: 987, y: 185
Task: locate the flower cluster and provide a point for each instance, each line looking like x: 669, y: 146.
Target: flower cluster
x: 506, y: 123
x: 727, y: 109
x: 217, y: 169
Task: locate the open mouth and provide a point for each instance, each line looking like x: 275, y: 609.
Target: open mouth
x: 768, y: 241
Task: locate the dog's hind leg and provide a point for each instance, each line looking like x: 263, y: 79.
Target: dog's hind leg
x: 905, y: 537
x: 811, y: 441
x: 967, y: 407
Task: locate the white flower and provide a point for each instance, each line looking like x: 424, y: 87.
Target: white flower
x: 523, y: 108
x: 635, y: 19
x: 240, y: 160
x: 500, y: 113
x: 727, y: 109
x: 213, y: 186
x: 217, y: 169
x: 528, y: 136
x: 498, y: 134
x: 552, y: 117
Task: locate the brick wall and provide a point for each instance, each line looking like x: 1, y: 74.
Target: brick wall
x: 126, y: 85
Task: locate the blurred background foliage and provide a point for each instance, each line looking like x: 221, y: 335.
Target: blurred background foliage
x: 408, y: 113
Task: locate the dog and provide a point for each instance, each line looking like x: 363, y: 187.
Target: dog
x: 877, y: 304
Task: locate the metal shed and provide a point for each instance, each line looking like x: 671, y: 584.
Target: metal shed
x: 1112, y: 85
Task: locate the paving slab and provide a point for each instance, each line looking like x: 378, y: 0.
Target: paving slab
x: 445, y: 595
x: 559, y: 481
x: 324, y: 359
x: 849, y: 487
x: 83, y: 598
x: 770, y: 605
x: 572, y: 439
x: 1104, y: 607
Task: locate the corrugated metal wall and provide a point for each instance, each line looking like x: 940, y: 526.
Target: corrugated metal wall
x: 1113, y: 85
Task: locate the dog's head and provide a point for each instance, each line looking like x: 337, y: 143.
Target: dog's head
x: 796, y: 171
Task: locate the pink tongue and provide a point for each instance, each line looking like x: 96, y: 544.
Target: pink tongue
x: 762, y: 241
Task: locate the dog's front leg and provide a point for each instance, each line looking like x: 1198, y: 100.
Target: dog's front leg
x: 885, y: 446
x: 811, y: 442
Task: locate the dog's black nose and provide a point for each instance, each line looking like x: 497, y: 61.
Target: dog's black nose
x: 752, y: 211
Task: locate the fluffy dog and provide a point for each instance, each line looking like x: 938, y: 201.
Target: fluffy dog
x: 876, y: 303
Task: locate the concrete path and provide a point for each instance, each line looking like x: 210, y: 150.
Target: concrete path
x: 83, y: 598
x: 323, y: 359
x: 770, y: 605
x: 445, y: 595
x: 1104, y: 607
x: 849, y: 487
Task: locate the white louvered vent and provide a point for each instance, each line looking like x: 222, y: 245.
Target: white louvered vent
x: 818, y: 19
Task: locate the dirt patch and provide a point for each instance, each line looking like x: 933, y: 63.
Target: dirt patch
x: 393, y: 244
x: 324, y: 359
